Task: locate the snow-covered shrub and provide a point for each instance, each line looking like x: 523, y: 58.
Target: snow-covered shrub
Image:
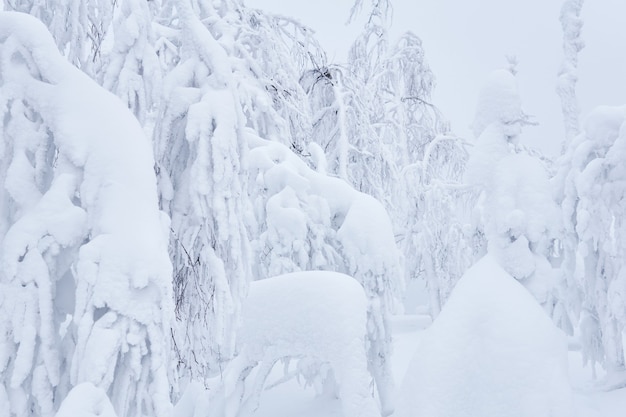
x: 492, y: 352
x: 592, y: 181
x: 313, y: 221
x: 85, y: 281
x: 314, y: 314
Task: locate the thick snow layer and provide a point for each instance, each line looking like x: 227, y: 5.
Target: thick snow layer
x: 86, y: 400
x: 492, y: 352
x: 314, y: 314
x: 499, y: 101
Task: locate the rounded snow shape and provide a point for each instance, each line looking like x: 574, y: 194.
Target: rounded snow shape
x: 86, y: 400
x: 315, y: 314
x: 499, y: 101
x: 492, y: 352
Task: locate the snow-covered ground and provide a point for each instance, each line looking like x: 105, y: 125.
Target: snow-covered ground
x: 290, y: 399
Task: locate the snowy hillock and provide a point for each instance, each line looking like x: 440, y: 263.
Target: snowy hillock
x: 492, y: 352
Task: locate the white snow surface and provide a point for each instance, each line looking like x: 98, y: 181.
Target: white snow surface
x: 492, y: 352
x: 290, y: 399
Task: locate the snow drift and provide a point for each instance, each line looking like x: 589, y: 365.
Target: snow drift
x: 492, y: 352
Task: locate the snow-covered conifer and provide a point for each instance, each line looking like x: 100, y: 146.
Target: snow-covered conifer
x: 519, y: 215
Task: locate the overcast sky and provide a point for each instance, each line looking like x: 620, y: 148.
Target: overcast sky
x: 466, y: 39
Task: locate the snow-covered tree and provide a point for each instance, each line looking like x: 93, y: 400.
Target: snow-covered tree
x: 428, y: 200
x: 79, y: 28
x: 227, y: 68
x: 519, y: 215
x: 278, y: 50
x: 590, y: 186
x: 85, y: 280
x: 436, y: 237
x: 593, y: 186
x: 131, y: 66
x: 314, y: 221
x: 566, y: 84
x: 199, y: 149
x: 114, y: 42
x: 379, y: 130
x: 341, y: 119
x: 371, y: 166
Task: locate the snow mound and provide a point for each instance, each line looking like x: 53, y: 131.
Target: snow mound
x: 492, y: 352
x: 86, y: 400
x: 314, y: 314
